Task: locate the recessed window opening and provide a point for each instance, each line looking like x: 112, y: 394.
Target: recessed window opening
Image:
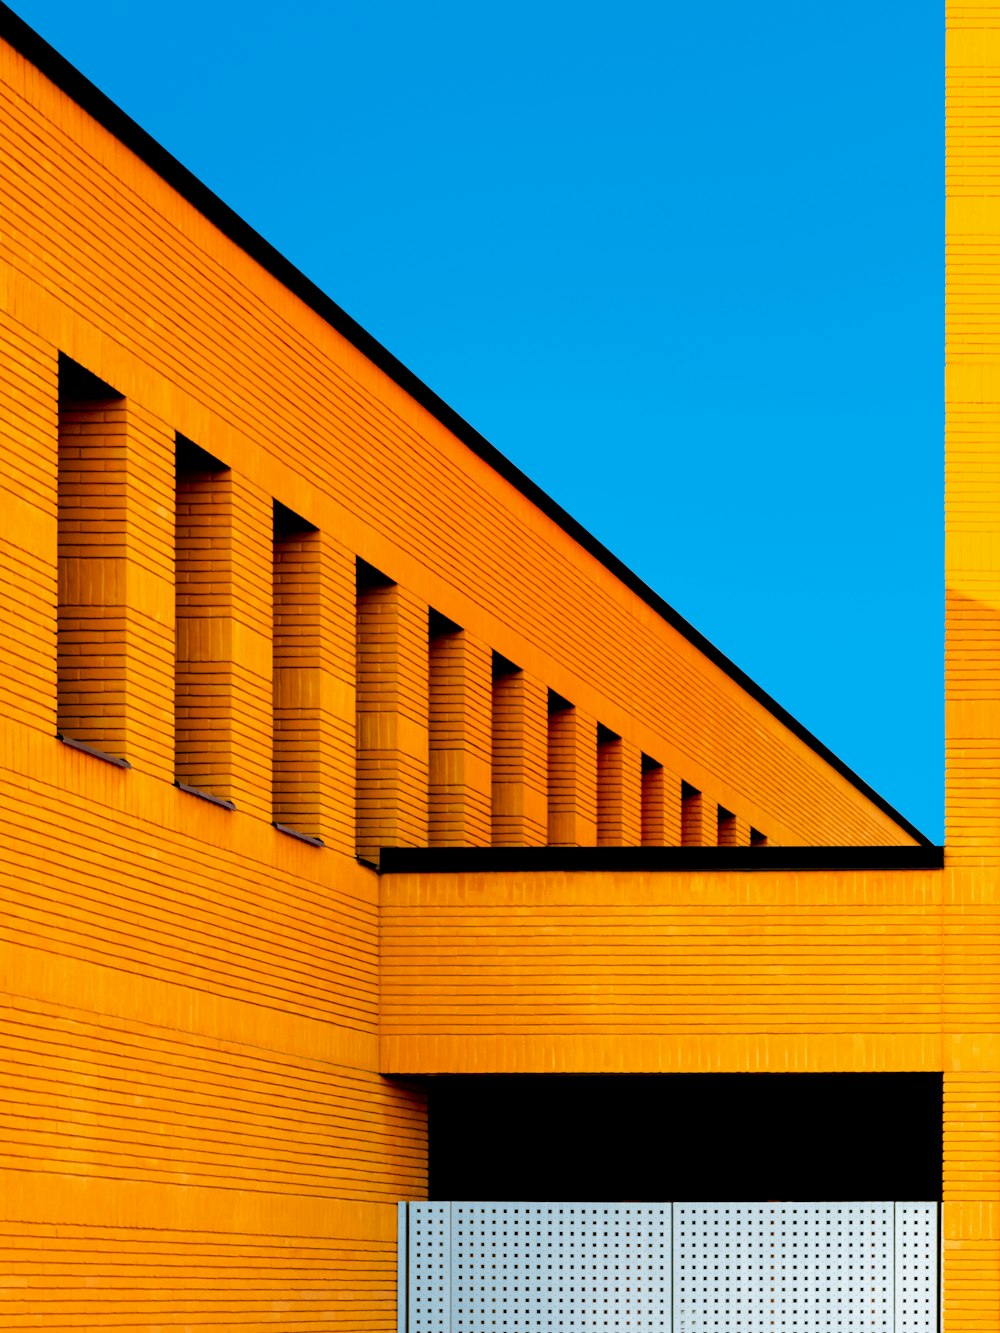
x: 203, y: 543
x: 726, y: 824
x: 757, y: 839
x: 92, y: 524
x: 376, y: 708
x: 297, y: 653
x: 508, y: 757
x: 503, y: 667
x: 609, y: 786
x: 561, y: 769
x: 445, y: 719
x: 653, y: 810
x: 691, y: 816
x: 369, y: 578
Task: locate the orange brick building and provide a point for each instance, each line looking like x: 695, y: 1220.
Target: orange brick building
x: 269, y: 608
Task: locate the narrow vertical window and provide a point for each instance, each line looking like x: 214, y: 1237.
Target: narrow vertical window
x: 203, y: 553
x: 91, y: 618
x: 694, y: 821
x: 459, y: 735
x: 297, y: 654
x: 444, y: 733
x: 391, y: 715
x: 572, y: 775
x: 654, y: 804
x: 726, y: 826
x: 619, y: 791
x: 519, y: 757
x: 609, y: 813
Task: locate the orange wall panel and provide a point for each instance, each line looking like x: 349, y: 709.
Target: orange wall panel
x: 639, y: 972
x: 28, y: 539
x: 193, y: 1124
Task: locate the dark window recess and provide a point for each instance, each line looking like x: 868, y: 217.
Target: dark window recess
x: 653, y: 827
x: 560, y: 770
x: 557, y: 704
x: 691, y: 820
x: 609, y: 787
x: 202, y: 543
x: 503, y: 666
x: 376, y: 807
x: 726, y: 825
x: 297, y: 662
x: 368, y: 577
x: 444, y: 722
x: 439, y: 626
x: 91, y: 535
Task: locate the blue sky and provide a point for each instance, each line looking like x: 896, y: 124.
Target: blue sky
x: 682, y: 264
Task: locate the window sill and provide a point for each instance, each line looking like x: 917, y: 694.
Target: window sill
x: 92, y: 750
x: 205, y: 796
x: 302, y: 837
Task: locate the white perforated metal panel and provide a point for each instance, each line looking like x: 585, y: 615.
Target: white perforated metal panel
x: 429, y: 1268
x: 526, y: 1267
x: 917, y: 1253
x: 787, y: 1267
x: 690, y: 1268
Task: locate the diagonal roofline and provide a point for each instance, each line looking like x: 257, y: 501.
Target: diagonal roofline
x: 107, y: 113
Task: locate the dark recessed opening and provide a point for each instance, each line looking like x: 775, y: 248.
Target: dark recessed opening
x: 503, y: 666
x: 439, y: 626
x: 289, y: 524
x: 691, y: 816
x: 192, y: 458
x: 77, y: 385
x: 726, y: 827
x: 712, y: 1137
x: 369, y: 577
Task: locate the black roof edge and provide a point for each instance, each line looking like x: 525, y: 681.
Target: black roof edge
x: 521, y: 860
x: 77, y: 86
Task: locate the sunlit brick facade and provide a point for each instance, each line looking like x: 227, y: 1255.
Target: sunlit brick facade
x: 268, y: 608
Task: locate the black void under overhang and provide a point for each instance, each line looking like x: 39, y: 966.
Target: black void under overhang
x: 697, y: 1137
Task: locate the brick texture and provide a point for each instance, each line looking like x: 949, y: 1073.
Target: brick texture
x: 224, y: 653
x: 115, y: 622
x: 392, y: 702
x: 572, y: 778
x: 619, y: 794
x: 314, y: 687
x: 460, y: 741
x: 661, y: 807
x: 520, y: 761
x: 699, y: 819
